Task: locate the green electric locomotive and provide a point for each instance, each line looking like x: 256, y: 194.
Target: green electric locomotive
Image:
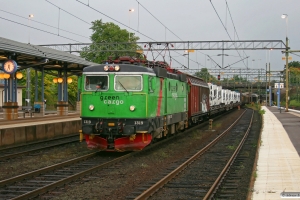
x: 124, y: 107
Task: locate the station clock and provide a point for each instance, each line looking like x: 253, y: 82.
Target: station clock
x: 10, y: 66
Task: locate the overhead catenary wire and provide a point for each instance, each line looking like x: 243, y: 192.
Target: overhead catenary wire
x: 158, y: 20
x: 119, y: 21
x: 235, y: 31
x: 58, y: 28
x: 43, y: 24
x: 295, y: 54
x: 139, y: 4
x: 114, y: 20
x: 68, y: 12
x: 226, y: 28
x: 38, y: 29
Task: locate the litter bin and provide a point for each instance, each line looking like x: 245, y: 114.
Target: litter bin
x: 37, y: 108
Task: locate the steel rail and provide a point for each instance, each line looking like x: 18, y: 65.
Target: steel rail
x: 218, y: 181
x: 13, y: 155
x: 45, y: 169
x: 150, y: 191
x: 61, y: 182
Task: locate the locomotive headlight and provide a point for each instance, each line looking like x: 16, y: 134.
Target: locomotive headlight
x: 132, y: 108
x: 91, y: 107
x: 105, y: 68
x: 117, y: 68
x: 111, y: 68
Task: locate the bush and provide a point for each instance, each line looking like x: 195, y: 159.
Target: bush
x: 295, y: 103
x: 262, y: 111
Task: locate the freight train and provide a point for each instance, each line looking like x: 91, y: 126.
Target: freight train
x: 128, y: 103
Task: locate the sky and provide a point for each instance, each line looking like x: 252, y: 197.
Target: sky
x: 167, y: 20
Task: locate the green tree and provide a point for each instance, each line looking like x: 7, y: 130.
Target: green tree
x: 295, y: 64
x: 50, y: 88
x: 108, y: 33
x: 205, y: 75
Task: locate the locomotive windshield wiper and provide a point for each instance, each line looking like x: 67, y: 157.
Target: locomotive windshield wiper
x: 123, y: 86
x: 98, y: 87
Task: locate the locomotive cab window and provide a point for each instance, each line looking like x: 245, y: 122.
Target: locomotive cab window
x: 128, y: 83
x: 93, y: 83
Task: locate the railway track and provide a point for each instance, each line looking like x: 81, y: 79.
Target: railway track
x: 32, y: 184
x: 45, y: 180
x: 13, y: 152
x: 197, y: 176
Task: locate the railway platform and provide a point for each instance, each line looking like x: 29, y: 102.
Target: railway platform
x: 278, y: 164
x: 32, y: 129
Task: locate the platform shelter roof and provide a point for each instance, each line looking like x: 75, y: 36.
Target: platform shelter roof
x: 28, y: 55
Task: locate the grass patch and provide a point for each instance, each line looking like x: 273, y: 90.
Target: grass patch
x: 231, y: 147
x: 254, y: 174
x: 295, y: 103
x: 261, y: 112
x: 162, y: 154
x: 217, y: 125
x: 256, y: 106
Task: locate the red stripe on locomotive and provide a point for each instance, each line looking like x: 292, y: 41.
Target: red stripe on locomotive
x: 159, y: 100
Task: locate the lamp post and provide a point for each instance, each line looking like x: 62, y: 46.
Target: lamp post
x: 285, y: 16
x: 130, y: 11
x: 29, y: 17
x: 185, y: 54
x: 266, y: 84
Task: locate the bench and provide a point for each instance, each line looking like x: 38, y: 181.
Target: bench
x: 27, y: 109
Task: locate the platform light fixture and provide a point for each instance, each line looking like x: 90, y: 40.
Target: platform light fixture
x: 59, y: 80
x: 19, y: 75
x: 6, y: 76
x: 69, y: 80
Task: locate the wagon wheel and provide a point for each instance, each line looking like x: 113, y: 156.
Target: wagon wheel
x: 176, y: 128
x: 154, y: 139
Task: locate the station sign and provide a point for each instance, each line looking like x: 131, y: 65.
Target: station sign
x: 284, y: 58
x: 279, y: 85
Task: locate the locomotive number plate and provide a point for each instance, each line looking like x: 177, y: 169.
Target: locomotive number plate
x: 138, y: 122
x: 87, y: 121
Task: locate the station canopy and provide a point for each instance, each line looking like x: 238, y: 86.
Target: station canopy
x: 34, y: 56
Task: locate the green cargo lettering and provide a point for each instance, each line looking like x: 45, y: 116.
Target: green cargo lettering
x: 117, y: 102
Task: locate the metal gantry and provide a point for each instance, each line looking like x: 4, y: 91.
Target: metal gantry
x: 253, y: 77
x: 173, y: 46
